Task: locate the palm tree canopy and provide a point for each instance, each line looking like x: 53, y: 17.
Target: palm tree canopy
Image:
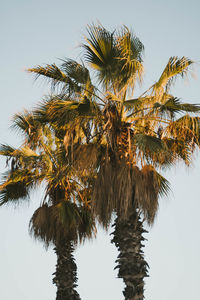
x: 65, y: 209
x: 116, y: 142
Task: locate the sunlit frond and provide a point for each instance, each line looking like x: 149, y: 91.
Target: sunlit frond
x: 15, y: 186
x: 186, y: 129
x: 175, y: 67
x: 56, y: 77
x: 75, y: 71
x: 130, y: 57
x: 7, y: 150
x: 99, y: 50
x: 14, y: 193
x: 28, y: 126
x: 173, y: 105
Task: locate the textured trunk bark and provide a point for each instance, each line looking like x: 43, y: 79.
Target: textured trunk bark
x: 66, y: 272
x: 128, y: 238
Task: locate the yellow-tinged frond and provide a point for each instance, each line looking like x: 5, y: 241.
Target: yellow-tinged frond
x: 175, y: 66
x: 56, y: 77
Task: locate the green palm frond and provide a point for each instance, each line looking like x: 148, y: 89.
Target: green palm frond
x: 175, y: 67
x: 56, y: 77
x: 14, y: 193
x: 130, y: 57
x: 131, y: 103
x: 148, y: 144
x: 23, y: 121
x: 61, y: 110
x: 163, y: 184
x: 7, y: 150
x: 130, y: 45
x: 80, y: 75
x: 99, y: 50
x: 16, y: 185
x: 173, y: 105
x: 23, y: 156
x: 180, y: 150
x: 116, y: 56
x: 28, y: 126
x: 186, y: 128
x: 42, y: 113
x: 75, y: 71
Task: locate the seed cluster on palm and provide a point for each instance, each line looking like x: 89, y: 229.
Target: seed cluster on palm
x: 101, y: 150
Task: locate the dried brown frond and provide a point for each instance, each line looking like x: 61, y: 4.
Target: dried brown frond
x: 113, y: 191
x: 121, y: 188
x: 64, y: 221
x: 85, y: 157
x: 146, y: 192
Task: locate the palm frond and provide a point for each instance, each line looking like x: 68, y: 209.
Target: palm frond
x: 186, y: 129
x: 113, y: 191
x: 148, y: 187
x: 27, y: 125
x: 99, y: 50
x: 146, y: 192
x: 148, y: 144
x: 7, y: 150
x: 14, y: 193
x: 130, y: 57
x: 175, y: 67
x: 52, y: 224
x: 75, y: 71
x: 173, y: 105
x: 85, y: 157
x: 131, y: 103
x: 163, y: 184
x: 56, y: 77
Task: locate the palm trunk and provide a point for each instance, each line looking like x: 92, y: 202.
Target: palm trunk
x: 66, y: 272
x: 131, y: 264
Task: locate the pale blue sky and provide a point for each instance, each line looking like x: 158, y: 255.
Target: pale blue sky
x: 37, y: 32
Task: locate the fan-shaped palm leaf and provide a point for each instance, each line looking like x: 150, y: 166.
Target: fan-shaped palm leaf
x: 175, y: 67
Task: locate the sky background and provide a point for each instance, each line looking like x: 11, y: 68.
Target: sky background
x: 39, y: 32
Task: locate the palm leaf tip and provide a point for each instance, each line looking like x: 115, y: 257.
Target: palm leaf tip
x: 13, y: 193
x: 175, y: 67
x: 6, y: 150
x: 99, y: 50
x: 56, y: 77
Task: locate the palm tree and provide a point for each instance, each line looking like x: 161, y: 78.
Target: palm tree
x: 64, y: 217
x: 118, y: 142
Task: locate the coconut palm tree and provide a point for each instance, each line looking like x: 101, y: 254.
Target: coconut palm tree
x: 118, y: 142
x: 63, y: 218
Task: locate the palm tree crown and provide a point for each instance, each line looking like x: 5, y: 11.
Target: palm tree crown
x: 116, y: 143
x: 104, y: 123
x: 64, y: 217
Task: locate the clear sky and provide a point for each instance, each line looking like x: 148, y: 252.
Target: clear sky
x: 37, y: 32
